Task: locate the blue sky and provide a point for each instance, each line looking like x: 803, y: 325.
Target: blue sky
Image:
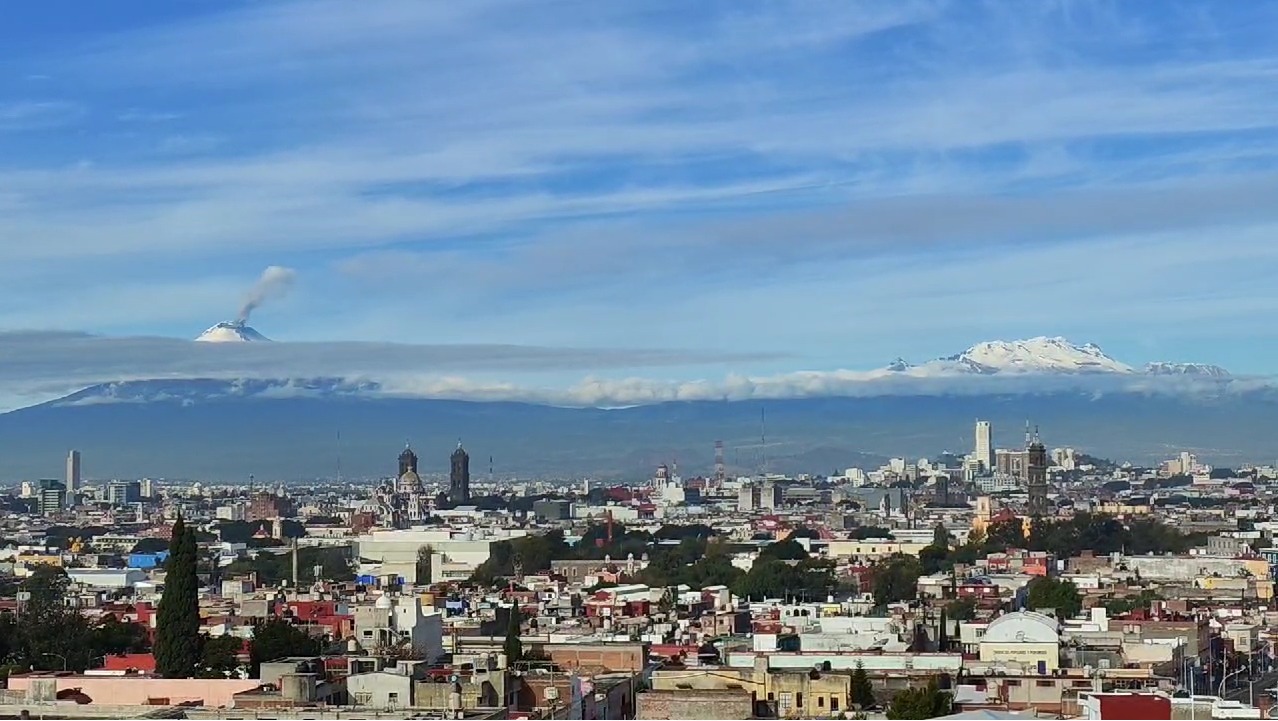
x: 839, y: 182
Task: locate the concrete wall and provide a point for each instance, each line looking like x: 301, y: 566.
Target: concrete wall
x: 373, y: 690
x: 125, y: 691
x: 610, y: 657
x: 689, y: 704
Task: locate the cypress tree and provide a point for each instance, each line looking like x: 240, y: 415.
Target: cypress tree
x: 513, y: 647
x: 177, y: 643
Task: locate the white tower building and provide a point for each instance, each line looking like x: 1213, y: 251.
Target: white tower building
x: 73, y: 476
x: 984, y: 451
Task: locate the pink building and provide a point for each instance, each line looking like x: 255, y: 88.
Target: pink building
x: 131, y: 690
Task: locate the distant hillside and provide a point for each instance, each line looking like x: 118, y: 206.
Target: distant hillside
x: 228, y: 435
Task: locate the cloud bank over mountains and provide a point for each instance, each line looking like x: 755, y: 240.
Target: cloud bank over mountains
x: 41, y: 366
x: 36, y: 366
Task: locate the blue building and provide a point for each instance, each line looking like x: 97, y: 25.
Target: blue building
x: 148, y: 560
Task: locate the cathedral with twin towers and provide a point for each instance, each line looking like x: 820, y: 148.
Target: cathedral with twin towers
x: 405, y: 501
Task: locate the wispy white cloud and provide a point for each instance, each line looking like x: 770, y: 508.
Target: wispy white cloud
x: 798, y: 174
x: 37, y: 114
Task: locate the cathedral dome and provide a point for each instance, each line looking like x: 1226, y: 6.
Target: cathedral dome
x: 409, y: 482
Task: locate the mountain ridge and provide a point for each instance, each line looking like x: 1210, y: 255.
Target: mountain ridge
x: 1044, y: 355
x: 289, y: 428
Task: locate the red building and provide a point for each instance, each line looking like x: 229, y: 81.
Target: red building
x: 136, y: 662
x: 1119, y: 705
x: 319, y: 613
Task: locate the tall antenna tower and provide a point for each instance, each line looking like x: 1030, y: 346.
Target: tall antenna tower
x: 339, y: 456
x: 763, y: 440
x: 720, y: 470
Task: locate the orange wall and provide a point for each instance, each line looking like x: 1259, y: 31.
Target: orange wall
x: 136, y: 690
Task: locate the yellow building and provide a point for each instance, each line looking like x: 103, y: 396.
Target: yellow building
x: 985, y: 516
x: 873, y: 549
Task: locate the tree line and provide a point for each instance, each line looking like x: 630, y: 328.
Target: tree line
x: 700, y: 559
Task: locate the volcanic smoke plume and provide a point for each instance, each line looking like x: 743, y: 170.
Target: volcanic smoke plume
x: 275, y: 282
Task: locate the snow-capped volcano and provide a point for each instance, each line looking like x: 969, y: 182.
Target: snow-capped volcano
x: 1038, y: 355
x: 234, y: 331
x: 1043, y: 355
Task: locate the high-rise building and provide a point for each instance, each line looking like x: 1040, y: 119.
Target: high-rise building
x: 459, y: 476
x: 122, y: 493
x: 1011, y: 463
x: 984, y: 450
x: 1036, y: 475
x: 52, y: 497
x: 72, y: 481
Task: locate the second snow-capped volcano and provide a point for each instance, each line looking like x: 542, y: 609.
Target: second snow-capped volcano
x: 231, y: 332
x: 1042, y: 355
x: 1037, y: 355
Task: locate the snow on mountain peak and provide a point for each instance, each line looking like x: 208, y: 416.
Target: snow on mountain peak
x: 1198, y: 370
x: 1044, y: 355
x: 1039, y: 355
x: 1033, y: 355
x: 231, y: 332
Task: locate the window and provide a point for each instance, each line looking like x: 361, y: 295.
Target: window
x: 392, y: 698
x: 834, y: 703
x: 1013, y: 682
x: 820, y: 702
x: 1042, y: 683
x: 798, y: 700
x: 772, y: 696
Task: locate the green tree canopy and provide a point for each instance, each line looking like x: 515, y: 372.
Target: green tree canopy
x: 277, y: 638
x: 113, y: 637
x: 274, y: 568
x: 50, y: 635
x: 1002, y: 535
x: 920, y: 703
x: 219, y: 656
x: 1050, y: 593
x: 771, y: 578
x: 787, y: 550
x: 896, y: 578
x: 962, y: 609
